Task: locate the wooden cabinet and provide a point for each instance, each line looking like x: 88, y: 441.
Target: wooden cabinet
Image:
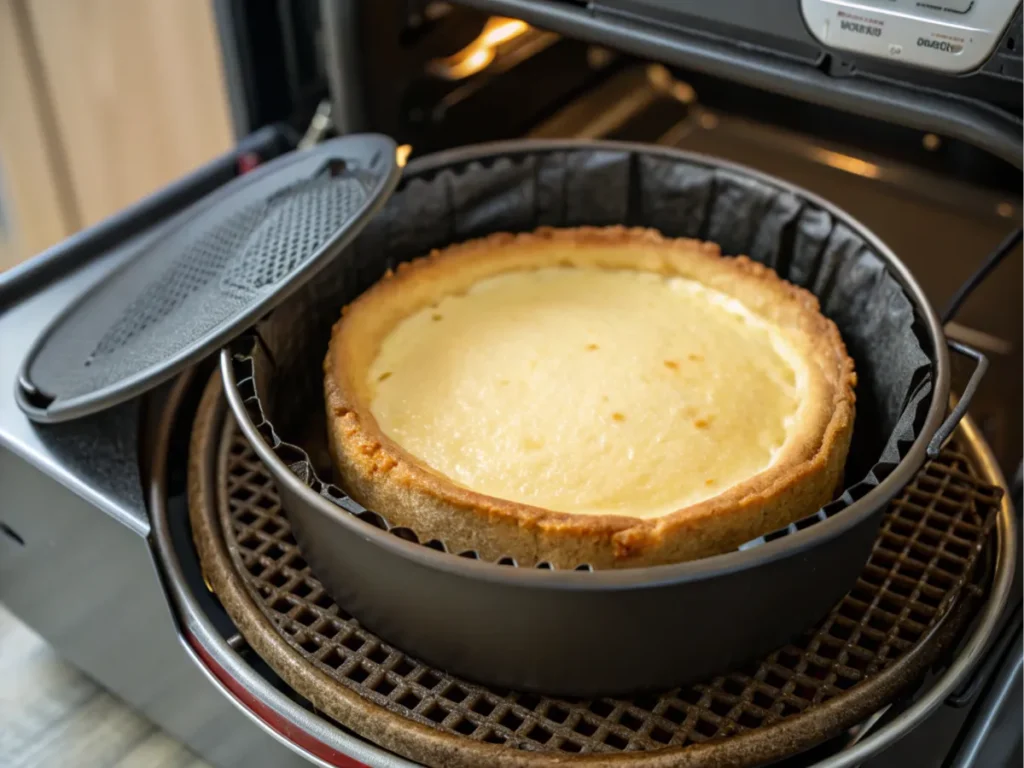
x: 101, y: 103
x: 33, y: 214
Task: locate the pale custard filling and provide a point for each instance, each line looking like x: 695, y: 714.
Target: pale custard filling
x: 589, y: 391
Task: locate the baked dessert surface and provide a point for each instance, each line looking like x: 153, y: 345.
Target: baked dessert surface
x: 602, y: 396
x: 588, y: 390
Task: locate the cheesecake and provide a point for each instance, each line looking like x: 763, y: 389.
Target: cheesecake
x: 591, y: 396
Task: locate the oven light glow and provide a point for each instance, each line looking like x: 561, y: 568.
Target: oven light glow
x: 500, y: 31
x: 479, y: 54
x: 662, y: 80
x: 476, y: 61
x: 849, y: 164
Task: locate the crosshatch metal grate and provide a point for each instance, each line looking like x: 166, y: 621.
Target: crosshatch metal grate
x: 313, y: 212
x: 197, y: 266
x: 921, y: 568
x: 224, y: 266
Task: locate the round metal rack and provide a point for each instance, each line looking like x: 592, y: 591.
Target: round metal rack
x: 946, y: 547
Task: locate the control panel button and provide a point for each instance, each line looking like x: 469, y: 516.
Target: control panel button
x: 942, y: 43
x: 947, y: 6
x: 953, y: 36
x: 934, y: 8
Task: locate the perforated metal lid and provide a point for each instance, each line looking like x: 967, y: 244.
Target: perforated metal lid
x: 223, y: 265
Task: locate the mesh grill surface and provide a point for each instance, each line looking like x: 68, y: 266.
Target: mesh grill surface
x: 190, y: 286
x: 197, y: 266
x: 922, y: 564
x: 312, y: 214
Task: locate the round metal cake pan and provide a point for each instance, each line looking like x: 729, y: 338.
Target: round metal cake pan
x: 602, y: 632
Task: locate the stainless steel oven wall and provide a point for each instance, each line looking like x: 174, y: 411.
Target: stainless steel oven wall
x: 88, y: 585
x: 75, y: 563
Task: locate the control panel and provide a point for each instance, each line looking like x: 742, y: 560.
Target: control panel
x: 952, y: 36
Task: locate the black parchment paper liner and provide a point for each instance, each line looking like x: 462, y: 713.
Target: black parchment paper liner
x: 281, y: 377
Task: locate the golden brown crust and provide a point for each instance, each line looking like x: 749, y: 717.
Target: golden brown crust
x: 382, y: 476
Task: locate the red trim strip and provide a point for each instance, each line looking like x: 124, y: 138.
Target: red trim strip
x: 270, y: 717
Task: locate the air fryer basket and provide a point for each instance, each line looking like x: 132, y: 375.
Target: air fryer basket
x: 581, y: 627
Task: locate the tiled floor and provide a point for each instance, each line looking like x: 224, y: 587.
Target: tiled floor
x: 53, y: 715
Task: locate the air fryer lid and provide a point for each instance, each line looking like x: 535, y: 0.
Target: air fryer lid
x: 216, y: 270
